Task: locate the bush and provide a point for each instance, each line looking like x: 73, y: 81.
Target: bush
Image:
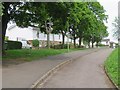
x: 35, y: 43
x: 80, y: 46
x: 102, y: 45
x: 13, y: 45
x: 60, y: 46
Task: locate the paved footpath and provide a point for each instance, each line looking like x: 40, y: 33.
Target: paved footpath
x: 85, y: 72
x: 24, y: 75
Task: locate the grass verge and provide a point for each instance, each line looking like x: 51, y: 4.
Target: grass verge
x: 111, y: 65
x: 29, y: 55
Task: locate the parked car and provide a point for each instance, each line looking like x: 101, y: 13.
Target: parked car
x: 26, y: 45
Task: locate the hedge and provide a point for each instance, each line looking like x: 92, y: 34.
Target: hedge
x: 60, y: 46
x: 9, y: 45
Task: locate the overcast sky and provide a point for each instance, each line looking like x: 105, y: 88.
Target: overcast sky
x: 111, y: 7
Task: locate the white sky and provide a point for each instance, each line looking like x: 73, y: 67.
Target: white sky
x: 111, y: 7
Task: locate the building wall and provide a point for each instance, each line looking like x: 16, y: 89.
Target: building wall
x: 19, y: 33
x: 30, y: 34
x: 25, y: 34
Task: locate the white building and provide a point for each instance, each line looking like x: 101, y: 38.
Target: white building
x: 105, y: 42
x: 16, y: 33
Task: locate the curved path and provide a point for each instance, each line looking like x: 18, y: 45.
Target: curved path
x: 24, y: 75
x: 86, y: 72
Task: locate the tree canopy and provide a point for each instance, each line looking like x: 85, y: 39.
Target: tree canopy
x: 116, y: 24
x: 86, y: 19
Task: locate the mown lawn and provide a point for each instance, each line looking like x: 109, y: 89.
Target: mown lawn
x: 29, y: 55
x: 112, y: 67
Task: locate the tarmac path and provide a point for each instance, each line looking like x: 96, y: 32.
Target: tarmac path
x: 24, y: 75
x: 85, y: 72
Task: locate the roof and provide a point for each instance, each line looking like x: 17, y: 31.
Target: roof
x: 106, y: 40
x: 11, y: 27
x: 37, y: 29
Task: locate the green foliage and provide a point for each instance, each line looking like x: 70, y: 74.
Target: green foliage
x: 116, y: 25
x: 29, y: 54
x: 111, y: 64
x: 87, y: 18
x: 13, y: 45
x: 6, y: 38
x: 60, y: 46
x: 102, y: 45
x: 1, y: 9
x: 35, y: 43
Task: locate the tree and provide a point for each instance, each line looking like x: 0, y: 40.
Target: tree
x: 74, y: 20
x: 12, y: 11
x: 39, y: 13
x: 31, y: 16
x: 59, y: 11
x: 116, y: 24
x: 5, y: 20
x: 84, y: 17
x: 95, y: 23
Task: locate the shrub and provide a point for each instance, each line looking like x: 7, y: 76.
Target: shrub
x: 60, y: 46
x: 80, y: 46
x: 13, y: 45
x: 102, y: 45
x: 35, y: 43
x: 6, y: 38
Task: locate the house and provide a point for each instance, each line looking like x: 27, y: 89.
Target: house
x: 108, y: 42
x: 105, y: 42
x: 26, y: 35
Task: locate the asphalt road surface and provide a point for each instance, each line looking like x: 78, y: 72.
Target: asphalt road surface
x: 85, y: 72
x: 26, y: 74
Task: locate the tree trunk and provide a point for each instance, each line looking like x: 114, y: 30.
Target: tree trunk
x: 97, y: 44
x: 48, y: 40
x: 89, y: 44
x: 80, y: 40
x: 92, y: 43
x: 4, y: 27
x: 48, y: 35
x: 53, y: 40
x: 74, y: 42
x: 63, y: 40
x: 5, y: 20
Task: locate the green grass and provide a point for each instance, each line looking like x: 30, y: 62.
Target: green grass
x: 29, y: 55
x: 111, y: 65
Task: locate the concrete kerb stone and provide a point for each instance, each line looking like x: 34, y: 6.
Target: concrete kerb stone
x: 45, y: 77
x: 40, y: 82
